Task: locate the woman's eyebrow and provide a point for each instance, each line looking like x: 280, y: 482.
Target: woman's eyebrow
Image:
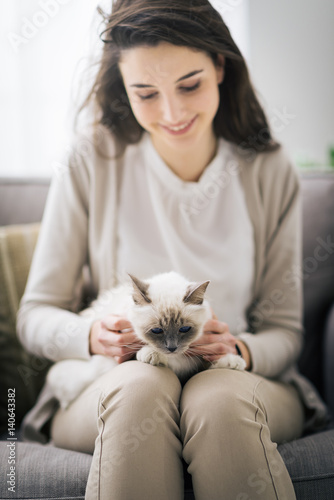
x: 188, y: 75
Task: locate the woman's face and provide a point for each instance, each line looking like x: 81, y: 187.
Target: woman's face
x: 173, y: 92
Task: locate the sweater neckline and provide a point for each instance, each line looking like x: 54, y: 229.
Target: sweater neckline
x: 168, y: 177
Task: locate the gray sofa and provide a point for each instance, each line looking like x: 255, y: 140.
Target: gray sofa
x: 45, y: 472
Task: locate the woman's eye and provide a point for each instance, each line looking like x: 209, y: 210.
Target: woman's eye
x: 185, y: 329
x: 192, y: 88
x: 146, y: 97
x: 183, y: 89
x: 157, y: 330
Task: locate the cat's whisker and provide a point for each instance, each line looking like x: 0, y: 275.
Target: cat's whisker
x: 131, y: 348
x: 192, y: 351
x: 190, y: 354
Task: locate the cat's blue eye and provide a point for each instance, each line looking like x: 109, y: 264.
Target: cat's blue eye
x: 185, y: 329
x: 157, y: 330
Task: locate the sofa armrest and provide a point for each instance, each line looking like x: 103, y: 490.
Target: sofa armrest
x: 22, y: 200
x: 329, y: 361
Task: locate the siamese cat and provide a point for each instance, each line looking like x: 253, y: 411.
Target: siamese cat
x: 167, y: 313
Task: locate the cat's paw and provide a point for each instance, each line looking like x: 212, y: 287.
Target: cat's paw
x: 231, y: 361
x: 148, y: 355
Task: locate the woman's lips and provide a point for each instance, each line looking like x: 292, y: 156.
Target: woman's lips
x: 180, y: 129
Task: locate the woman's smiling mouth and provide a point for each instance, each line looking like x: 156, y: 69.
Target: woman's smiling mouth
x: 179, y: 129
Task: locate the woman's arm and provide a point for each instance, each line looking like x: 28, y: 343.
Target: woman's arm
x: 47, y: 324
x: 275, y: 317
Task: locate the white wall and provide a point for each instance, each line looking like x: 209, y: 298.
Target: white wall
x: 44, y: 46
x: 236, y: 15
x: 292, y: 63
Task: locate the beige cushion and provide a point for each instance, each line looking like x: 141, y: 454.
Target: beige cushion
x: 18, y: 370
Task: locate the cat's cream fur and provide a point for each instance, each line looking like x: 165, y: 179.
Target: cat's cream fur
x: 167, y: 302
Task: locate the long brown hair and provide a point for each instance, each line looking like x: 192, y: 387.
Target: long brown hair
x: 191, y: 23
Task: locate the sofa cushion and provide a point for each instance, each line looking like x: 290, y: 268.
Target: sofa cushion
x: 328, y: 362
x: 317, y: 270
x: 18, y: 369
x: 310, y: 462
x: 43, y: 472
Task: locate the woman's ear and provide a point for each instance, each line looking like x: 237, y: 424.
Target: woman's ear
x: 220, y: 68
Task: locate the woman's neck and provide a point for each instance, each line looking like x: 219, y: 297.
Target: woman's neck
x: 189, y: 164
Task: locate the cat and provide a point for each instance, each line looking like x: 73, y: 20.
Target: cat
x: 168, y: 314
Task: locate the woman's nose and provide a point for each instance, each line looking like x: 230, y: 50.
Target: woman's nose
x: 172, y: 110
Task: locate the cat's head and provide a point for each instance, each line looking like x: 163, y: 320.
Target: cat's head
x: 169, y: 312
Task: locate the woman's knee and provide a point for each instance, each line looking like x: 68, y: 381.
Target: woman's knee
x: 218, y: 398
x: 138, y: 411
x: 137, y: 394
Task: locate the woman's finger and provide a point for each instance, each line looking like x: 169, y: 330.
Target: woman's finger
x: 108, y: 337
x: 214, y: 338
x: 121, y: 351
x: 116, y: 323
x: 215, y: 326
x: 208, y: 338
x: 212, y: 357
x: 213, y: 349
x: 213, y: 314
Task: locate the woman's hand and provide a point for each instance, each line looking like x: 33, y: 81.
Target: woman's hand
x: 216, y: 341
x: 114, y: 336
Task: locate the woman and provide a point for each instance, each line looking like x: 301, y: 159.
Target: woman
x: 181, y: 173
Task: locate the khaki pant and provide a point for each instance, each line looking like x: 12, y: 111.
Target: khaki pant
x: 139, y: 423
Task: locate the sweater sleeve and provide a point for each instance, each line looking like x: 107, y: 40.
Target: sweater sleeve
x: 47, y: 324
x: 275, y: 317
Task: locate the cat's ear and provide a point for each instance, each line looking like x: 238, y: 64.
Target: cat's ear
x: 140, y: 292
x: 195, y: 293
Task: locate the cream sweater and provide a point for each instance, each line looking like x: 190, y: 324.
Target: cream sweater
x: 199, y: 229
x: 80, y: 227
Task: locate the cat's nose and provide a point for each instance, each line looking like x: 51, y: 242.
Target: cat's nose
x: 172, y: 349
